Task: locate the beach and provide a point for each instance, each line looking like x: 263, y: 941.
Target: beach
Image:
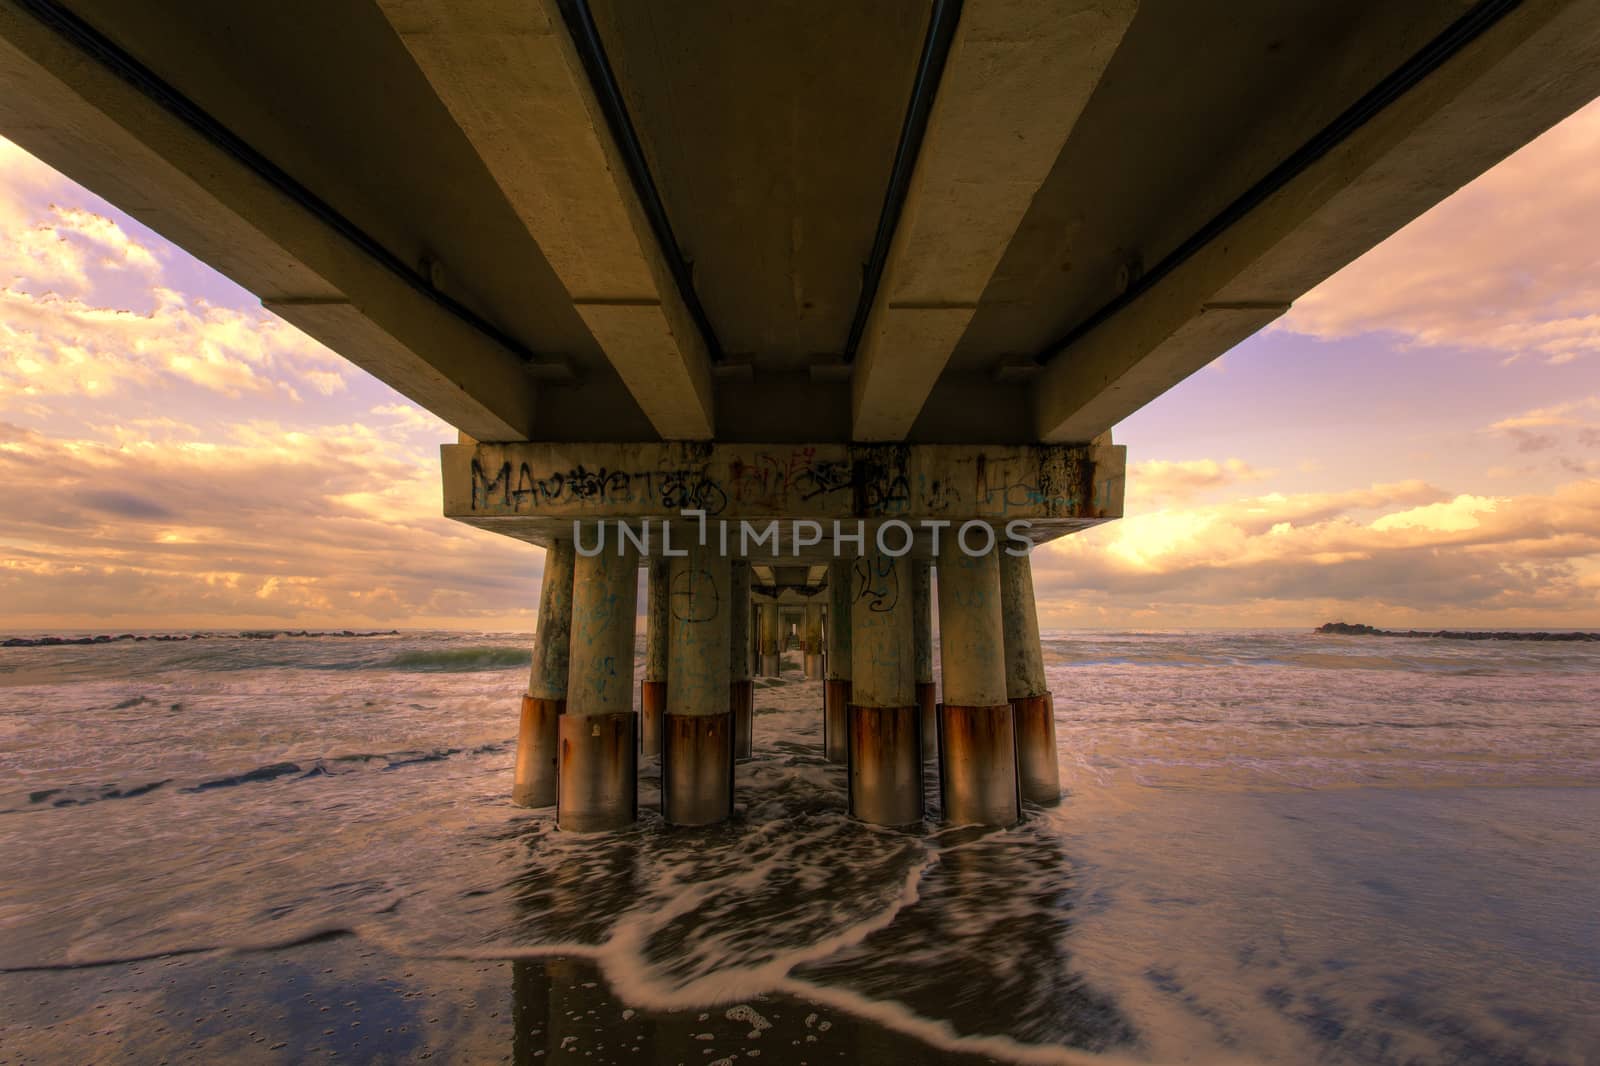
x: 1274, y: 847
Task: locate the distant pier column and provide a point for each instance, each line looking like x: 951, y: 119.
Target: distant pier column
x: 1032, y: 707
x: 697, y: 739
x: 922, y: 631
x: 599, y: 754
x: 836, y: 689
x: 771, y: 641
x: 885, y: 723
x: 653, y: 689
x: 534, y: 784
x: 814, y: 655
x: 977, y: 747
x: 741, y: 690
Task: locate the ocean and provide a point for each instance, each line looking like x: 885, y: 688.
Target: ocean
x: 1274, y: 847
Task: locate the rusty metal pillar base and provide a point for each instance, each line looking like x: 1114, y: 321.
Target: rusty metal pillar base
x: 835, y: 719
x: 930, y: 719
x: 537, y: 745
x: 813, y: 663
x: 598, y: 773
x: 697, y: 768
x: 885, y: 765
x: 1038, y: 772
x: 742, y: 698
x: 772, y: 665
x: 978, y: 765
x: 652, y: 705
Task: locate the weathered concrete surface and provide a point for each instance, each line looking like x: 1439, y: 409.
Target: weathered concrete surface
x: 978, y: 765
x: 885, y: 765
x: 1537, y: 65
x: 552, y: 640
x: 1024, y: 656
x: 1016, y: 79
x: 883, y: 666
x: 922, y: 618
x: 538, y: 752
x: 814, y: 646
x: 771, y: 640
x: 884, y: 737
x: 597, y: 733
x: 701, y: 608
x: 533, y: 491
x: 599, y: 773
x: 1038, y: 767
x: 836, y: 688
x: 1032, y: 710
x: 739, y: 620
x: 510, y: 76
x: 697, y: 753
x: 971, y: 637
x: 657, y: 618
x: 977, y: 747
x: 426, y: 187
x: 604, y: 597
x: 534, y: 781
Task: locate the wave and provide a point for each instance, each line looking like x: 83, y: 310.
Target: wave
x: 460, y: 660
x: 77, y: 796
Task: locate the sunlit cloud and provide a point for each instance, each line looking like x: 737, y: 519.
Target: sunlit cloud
x: 1510, y: 263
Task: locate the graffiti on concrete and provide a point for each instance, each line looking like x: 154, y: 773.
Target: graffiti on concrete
x: 869, y: 481
x: 876, y: 583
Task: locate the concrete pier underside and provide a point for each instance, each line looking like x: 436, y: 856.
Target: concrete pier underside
x: 547, y: 222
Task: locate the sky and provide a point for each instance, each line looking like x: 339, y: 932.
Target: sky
x: 1417, y: 443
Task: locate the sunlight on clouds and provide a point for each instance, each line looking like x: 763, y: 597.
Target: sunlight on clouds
x: 1290, y: 558
x: 1510, y: 263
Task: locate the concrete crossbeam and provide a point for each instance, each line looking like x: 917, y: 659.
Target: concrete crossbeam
x: 100, y: 129
x: 534, y: 491
x: 1534, y: 67
x: 510, y: 76
x: 1016, y: 80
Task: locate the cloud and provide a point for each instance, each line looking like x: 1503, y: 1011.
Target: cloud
x: 1163, y: 479
x: 88, y: 309
x: 1427, y: 557
x: 269, y: 524
x: 1510, y: 263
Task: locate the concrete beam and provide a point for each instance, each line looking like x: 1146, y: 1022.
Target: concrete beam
x: 509, y: 74
x: 1018, y: 76
x: 1534, y: 67
x: 92, y: 125
x: 535, y: 491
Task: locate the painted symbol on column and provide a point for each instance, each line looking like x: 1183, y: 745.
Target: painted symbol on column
x: 694, y: 596
x: 877, y: 583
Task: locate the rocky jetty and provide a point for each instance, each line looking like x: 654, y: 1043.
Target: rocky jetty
x: 254, y: 634
x: 1346, y: 629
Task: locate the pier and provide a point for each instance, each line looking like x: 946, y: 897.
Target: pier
x: 808, y: 320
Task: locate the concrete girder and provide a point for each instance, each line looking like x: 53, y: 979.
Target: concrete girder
x: 535, y: 491
x: 102, y: 131
x: 1532, y: 68
x: 511, y: 77
x: 1017, y: 77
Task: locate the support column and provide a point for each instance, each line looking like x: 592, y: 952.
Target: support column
x: 813, y: 642
x: 1032, y: 707
x: 885, y: 725
x: 534, y: 783
x: 836, y: 689
x: 697, y: 738
x: 653, y: 689
x: 771, y: 641
x: 977, y: 747
x: 599, y: 754
x: 922, y: 631
x: 741, y: 690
